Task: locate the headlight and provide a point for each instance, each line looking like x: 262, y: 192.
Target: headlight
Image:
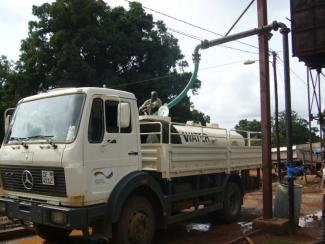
x: 58, y: 217
x: 3, y: 207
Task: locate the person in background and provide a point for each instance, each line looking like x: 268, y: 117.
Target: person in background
x: 151, y: 105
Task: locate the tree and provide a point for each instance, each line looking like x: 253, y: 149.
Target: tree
x: 11, y: 88
x: 247, y: 125
x: 300, y: 131
x: 86, y: 43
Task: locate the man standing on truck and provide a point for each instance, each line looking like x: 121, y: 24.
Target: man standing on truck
x: 151, y: 105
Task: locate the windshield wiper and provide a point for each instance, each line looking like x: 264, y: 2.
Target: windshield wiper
x: 44, y: 137
x: 20, y: 141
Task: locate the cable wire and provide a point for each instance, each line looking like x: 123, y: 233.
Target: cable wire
x: 170, y: 75
x: 185, y: 34
x: 142, y: 81
x: 221, y: 65
x: 190, y: 24
x: 240, y: 16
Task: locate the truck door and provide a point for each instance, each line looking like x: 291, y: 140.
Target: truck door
x: 110, y: 152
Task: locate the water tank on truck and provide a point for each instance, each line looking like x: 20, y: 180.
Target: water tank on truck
x: 153, y: 127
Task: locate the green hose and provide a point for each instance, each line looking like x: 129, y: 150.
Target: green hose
x: 196, y: 61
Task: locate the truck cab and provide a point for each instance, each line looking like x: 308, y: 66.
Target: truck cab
x: 68, y: 148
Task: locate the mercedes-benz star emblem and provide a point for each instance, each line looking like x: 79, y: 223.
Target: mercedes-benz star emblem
x: 27, y: 180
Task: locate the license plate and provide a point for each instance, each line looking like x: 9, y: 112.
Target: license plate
x: 47, y: 177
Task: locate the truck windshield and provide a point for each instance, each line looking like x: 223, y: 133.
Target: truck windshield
x: 51, y: 118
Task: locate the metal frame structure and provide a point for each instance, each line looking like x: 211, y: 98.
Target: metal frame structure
x: 315, y: 102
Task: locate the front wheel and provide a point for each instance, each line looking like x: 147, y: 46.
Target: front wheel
x: 50, y: 233
x: 232, y: 203
x: 137, y: 223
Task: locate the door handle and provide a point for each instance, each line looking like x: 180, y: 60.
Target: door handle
x: 111, y: 141
x: 133, y: 153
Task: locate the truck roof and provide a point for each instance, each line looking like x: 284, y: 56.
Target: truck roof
x: 86, y: 90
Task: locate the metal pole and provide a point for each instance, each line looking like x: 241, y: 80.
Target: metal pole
x: 309, y: 117
x: 276, y: 115
x: 265, y: 111
x: 285, y: 32
x: 320, y: 111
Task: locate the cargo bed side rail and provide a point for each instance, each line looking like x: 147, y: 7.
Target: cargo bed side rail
x: 251, y: 138
x: 158, y: 132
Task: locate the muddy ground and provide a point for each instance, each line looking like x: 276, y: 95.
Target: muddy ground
x: 206, y: 230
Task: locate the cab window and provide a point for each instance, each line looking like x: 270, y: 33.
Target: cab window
x: 96, y: 122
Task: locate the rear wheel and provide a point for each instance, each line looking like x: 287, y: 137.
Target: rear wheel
x: 50, y: 233
x: 232, y: 203
x: 137, y: 223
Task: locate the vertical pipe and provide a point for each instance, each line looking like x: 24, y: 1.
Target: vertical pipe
x: 287, y: 89
x: 309, y: 116
x: 265, y: 112
x: 249, y: 138
x: 276, y: 115
x: 320, y: 111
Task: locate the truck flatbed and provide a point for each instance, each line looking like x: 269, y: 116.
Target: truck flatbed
x: 176, y: 160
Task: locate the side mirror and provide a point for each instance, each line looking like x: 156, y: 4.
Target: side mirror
x: 123, y: 115
x: 8, y: 116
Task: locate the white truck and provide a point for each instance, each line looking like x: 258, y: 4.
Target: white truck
x: 82, y: 158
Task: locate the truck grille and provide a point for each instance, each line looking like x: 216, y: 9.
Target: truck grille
x: 12, y: 180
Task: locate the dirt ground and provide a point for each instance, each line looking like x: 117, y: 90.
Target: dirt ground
x: 206, y: 230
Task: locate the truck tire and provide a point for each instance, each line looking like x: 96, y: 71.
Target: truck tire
x: 137, y: 223
x: 50, y: 233
x: 232, y: 203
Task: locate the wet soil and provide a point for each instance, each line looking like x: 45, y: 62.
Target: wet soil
x: 208, y: 230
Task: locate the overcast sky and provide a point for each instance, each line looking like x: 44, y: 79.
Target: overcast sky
x: 230, y: 90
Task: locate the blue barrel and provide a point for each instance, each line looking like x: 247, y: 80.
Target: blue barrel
x: 281, y: 205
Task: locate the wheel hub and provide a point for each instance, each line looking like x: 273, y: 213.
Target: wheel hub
x: 137, y: 228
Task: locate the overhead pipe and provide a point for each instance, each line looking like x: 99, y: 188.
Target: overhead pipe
x: 207, y: 44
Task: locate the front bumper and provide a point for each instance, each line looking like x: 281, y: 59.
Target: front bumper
x: 40, y: 213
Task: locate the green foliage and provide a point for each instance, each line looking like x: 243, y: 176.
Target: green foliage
x: 181, y: 114
x: 247, y: 125
x: 86, y: 43
x: 75, y: 43
x: 11, y: 86
x: 300, y: 132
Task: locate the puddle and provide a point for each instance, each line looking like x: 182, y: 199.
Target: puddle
x: 198, y: 227
x: 306, y: 221
x: 246, y: 227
